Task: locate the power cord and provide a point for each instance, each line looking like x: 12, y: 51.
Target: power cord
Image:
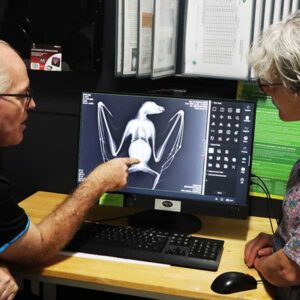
x: 264, y: 188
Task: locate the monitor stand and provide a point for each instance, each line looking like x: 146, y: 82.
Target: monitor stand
x: 165, y: 220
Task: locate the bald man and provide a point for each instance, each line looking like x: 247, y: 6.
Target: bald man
x: 21, y: 241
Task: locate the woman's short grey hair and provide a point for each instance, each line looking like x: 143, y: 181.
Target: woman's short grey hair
x: 5, y: 80
x: 275, y: 56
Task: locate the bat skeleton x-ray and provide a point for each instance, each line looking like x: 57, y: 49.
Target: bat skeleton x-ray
x: 143, y: 138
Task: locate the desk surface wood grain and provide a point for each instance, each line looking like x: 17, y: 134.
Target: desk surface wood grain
x: 163, y: 281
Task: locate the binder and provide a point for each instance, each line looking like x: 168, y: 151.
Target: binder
x: 268, y: 14
x: 145, y: 32
x: 130, y: 37
x: 217, y: 38
x: 258, y: 23
x: 277, y: 13
x: 165, y: 32
x: 192, y: 38
x: 119, y: 38
x: 286, y: 8
x: 295, y: 5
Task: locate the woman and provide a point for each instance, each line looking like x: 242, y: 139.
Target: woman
x: 275, y: 58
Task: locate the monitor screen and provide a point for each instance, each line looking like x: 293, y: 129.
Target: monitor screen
x: 195, y: 153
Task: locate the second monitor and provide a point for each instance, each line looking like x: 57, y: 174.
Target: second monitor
x: 195, y: 154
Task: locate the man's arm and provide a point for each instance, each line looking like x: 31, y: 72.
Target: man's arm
x: 42, y: 241
x: 8, y: 286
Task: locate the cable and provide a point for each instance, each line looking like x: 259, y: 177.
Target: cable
x: 263, y: 186
x: 268, y: 193
x: 268, y: 206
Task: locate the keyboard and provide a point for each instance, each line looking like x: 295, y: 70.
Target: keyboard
x: 147, y: 245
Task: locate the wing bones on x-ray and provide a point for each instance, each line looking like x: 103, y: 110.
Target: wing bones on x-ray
x: 142, y: 131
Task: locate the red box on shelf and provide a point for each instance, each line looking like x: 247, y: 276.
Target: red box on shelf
x: 46, y: 57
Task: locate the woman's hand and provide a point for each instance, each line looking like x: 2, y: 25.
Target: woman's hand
x: 258, y: 247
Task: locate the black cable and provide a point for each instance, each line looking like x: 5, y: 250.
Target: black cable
x: 263, y: 186
x: 268, y: 206
x: 263, y: 183
x: 270, y: 198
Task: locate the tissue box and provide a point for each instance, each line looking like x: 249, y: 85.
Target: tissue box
x: 46, y: 57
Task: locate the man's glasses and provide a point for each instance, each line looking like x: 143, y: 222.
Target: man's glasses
x: 25, y: 99
x: 265, y: 86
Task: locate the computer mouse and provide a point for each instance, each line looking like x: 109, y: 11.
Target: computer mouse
x: 232, y: 282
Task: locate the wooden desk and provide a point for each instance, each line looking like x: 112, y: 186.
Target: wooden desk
x: 158, y: 282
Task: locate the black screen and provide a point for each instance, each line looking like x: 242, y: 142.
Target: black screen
x: 197, y: 151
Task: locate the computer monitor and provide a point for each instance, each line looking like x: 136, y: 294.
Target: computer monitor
x: 195, y: 153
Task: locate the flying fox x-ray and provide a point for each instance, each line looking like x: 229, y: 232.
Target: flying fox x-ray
x: 142, y: 134
x: 158, y: 131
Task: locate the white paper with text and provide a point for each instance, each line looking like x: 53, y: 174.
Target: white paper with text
x: 217, y: 37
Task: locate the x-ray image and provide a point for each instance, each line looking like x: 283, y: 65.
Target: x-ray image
x: 167, y: 136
